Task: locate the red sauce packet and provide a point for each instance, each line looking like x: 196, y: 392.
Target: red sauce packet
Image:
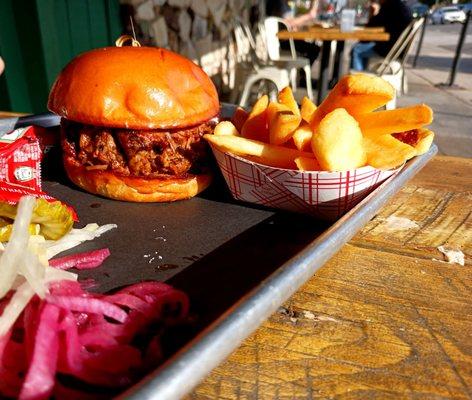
x: 20, y: 160
x: 20, y: 167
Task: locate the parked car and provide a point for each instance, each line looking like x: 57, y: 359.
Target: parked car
x: 418, y: 10
x: 448, y: 14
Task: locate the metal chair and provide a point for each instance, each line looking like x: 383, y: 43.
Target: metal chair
x: 391, y: 67
x: 268, y: 30
x: 250, y: 69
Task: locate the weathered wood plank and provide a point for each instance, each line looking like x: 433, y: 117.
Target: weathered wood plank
x: 376, y: 330
x: 443, y: 217
x: 451, y: 173
x: 381, y: 319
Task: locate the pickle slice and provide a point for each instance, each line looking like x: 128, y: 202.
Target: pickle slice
x: 5, y: 231
x: 54, y: 219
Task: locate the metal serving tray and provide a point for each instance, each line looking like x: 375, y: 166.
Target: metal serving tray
x: 237, y: 262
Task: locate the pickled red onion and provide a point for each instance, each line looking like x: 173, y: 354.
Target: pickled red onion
x: 39, y: 380
x: 69, y: 333
x: 87, y: 260
x: 50, y: 326
x: 88, y: 305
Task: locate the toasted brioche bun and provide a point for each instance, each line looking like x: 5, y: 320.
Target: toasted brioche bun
x: 138, y: 88
x: 142, y: 190
x: 134, y: 88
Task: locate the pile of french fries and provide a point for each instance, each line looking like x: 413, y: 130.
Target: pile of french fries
x: 343, y: 133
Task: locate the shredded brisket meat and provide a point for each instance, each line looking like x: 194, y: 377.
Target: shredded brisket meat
x: 141, y: 153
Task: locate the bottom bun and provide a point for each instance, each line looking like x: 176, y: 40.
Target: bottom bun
x: 107, y: 184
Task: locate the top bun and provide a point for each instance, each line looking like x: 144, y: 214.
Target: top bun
x: 135, y: 88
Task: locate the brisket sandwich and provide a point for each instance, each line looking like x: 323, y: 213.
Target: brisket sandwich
x: 132, y: 123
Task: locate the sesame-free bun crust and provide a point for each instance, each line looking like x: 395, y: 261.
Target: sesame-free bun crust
x: 134, y: 88
x: 142, y: 190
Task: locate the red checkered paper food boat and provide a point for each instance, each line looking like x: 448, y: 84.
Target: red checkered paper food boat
x: 325, y: 195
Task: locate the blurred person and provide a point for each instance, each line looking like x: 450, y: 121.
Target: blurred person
x: 339, y: 5
x: 394, y: 16
x: 278, y: 8
x: 281, y: 9
x: 373, y: 9
x: 304, y: 19
x: 2, y: 65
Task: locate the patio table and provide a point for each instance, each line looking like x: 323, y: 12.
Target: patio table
x: 328, y: 35
x: 385, y: 318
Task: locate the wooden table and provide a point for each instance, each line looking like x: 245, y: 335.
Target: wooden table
x: 383, y: 319
x: 328, y: 35
x: 378, y: 29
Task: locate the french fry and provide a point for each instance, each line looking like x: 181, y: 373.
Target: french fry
x: 386, y: 152
x: 283, y: 128
x: 239, y: 118
x: 425, y: 141
x: 256, y: 126
x: 358, y: 94
x: 307, y: 164
x: 273, y: 108
x: 307, y: 109
x: 302, y: 137
x: 282, y: 123
x: 225, y: 128
x: 267, y: 154
x: 343, y: 133
x: 379, y: 123
x: 338, y: 143
x: 286, y: 97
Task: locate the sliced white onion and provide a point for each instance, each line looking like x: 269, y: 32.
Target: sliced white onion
x: 76, y: 237
x: 54, y: 274
x: 16, y: 245
x: 104, y: 228
x: 32, y: 269
x: 90, y: 227
x: 15, y: 306
x: 23, y: 262
x: 19, y: 280
x: 36, y: 245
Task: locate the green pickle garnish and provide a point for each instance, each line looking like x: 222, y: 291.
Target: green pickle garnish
x: 50, y: 219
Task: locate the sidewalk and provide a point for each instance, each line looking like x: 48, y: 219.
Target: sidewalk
x: 436, y: 57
